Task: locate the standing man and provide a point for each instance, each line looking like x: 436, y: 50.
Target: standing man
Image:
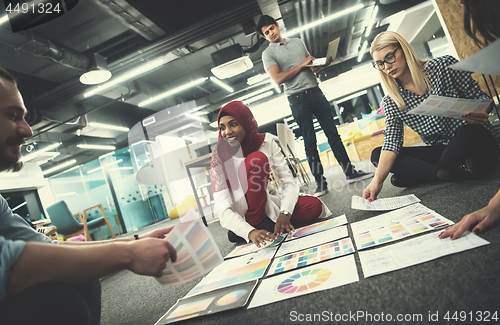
x: 286, y: 60
x: 42, y: 282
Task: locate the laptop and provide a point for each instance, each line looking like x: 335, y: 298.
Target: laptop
x: 332, y: 51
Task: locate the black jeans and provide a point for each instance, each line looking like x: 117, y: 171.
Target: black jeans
x: 54, y: 302
x: 471, y: 141
x: 306, y: 105
x: 266, y: 224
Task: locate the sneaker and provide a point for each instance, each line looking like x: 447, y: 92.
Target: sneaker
x: 358, y: 175
x: 47, y: 231
x: 402, y: 181
x: 321, y: 189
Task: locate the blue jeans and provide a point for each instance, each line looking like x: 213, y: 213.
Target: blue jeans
x: 306, y: 105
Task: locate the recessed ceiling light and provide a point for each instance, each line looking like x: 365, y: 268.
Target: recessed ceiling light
x: 95, y: 77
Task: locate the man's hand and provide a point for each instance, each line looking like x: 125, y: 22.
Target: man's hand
x: 476, y: 118
x: 307, y: 60
x: 149, y: 256
x: 318, y: 68
x: 259, y: 237
x: 158, y: 233
x: 372, y: 190
x: 283, y: 224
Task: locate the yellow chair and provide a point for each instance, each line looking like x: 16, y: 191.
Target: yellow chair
x: 182, y: 208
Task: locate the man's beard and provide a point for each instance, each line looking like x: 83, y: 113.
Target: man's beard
x: 7, y: 162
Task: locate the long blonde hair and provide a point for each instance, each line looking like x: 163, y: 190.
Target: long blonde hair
x: 415, y: 65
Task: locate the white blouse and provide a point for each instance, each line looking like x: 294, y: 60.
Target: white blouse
x: 232, y: 214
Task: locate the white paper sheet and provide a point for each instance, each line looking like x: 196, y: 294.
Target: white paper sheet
x: 235, y: 270
x: 312, y: 240
x: 415, y: 251
x: 197, y: 253
x: 317, y: 227
x: 450, y: 107
x: 397, y: 224
x: 318, y: 277
x: 311, y: 256
x: 485, y: 61
x: 389, y: 203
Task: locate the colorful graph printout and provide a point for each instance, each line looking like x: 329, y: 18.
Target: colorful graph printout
x: 389, y: 203
x: 395, y: 225
x: 317, y: 227
x: 312, y: 240
x: 233, y: 271
x: 318, y: 277
x: 251, y: 248
x: 450, y: 107
x: 197, y: 253
x: 209, y: 303
x: 415, y: 251
x: 311, y: 256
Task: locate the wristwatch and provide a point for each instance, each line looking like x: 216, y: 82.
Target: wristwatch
x: 286, y: 213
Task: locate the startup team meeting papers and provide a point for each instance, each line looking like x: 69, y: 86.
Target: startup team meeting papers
x: 390, y: 203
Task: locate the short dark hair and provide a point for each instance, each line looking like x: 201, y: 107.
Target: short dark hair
x: 264, y: 21
x: 7, y: 76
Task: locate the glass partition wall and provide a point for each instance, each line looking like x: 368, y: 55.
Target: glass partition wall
x: 110, y: 181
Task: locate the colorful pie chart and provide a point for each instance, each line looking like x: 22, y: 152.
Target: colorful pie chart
x: 231, y: 297
x: 304, y: 280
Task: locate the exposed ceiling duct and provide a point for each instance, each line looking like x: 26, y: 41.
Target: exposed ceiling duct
x: 45, y: 48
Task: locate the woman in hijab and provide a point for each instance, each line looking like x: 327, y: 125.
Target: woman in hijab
x: 239, y: 175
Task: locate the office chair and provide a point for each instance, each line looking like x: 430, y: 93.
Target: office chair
x: 68, y: 226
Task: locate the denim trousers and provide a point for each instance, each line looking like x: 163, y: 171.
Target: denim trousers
x: 306, y: 105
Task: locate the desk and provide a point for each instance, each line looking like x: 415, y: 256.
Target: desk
x: 203, y: 161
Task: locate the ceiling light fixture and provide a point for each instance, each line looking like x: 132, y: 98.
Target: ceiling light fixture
x: 106, y: 155
x: 323, y: 20
x: 108, y: 126
x: 98, y: 72
x: 129, y: 75
x: 258, y: 78
x: 258, y: 97
x: 362, y: 51
x: 95, y: 77
x: 96, y: 146
x: 61, y: 166
x: 252, y: 94
x: 221, y: 84
x: 100, y: 167
x: 39, y: 151
x: 172, y: 91
x: 372, y: 21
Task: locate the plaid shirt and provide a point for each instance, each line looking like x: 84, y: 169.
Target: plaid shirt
x: 433, y: 130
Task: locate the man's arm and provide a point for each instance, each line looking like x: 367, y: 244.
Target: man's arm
x: 81, y: 263
x: 285, y: 76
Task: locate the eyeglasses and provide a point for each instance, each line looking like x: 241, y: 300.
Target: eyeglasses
x: 389, y: 59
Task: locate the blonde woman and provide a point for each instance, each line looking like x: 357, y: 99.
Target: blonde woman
x: 456, y: 149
